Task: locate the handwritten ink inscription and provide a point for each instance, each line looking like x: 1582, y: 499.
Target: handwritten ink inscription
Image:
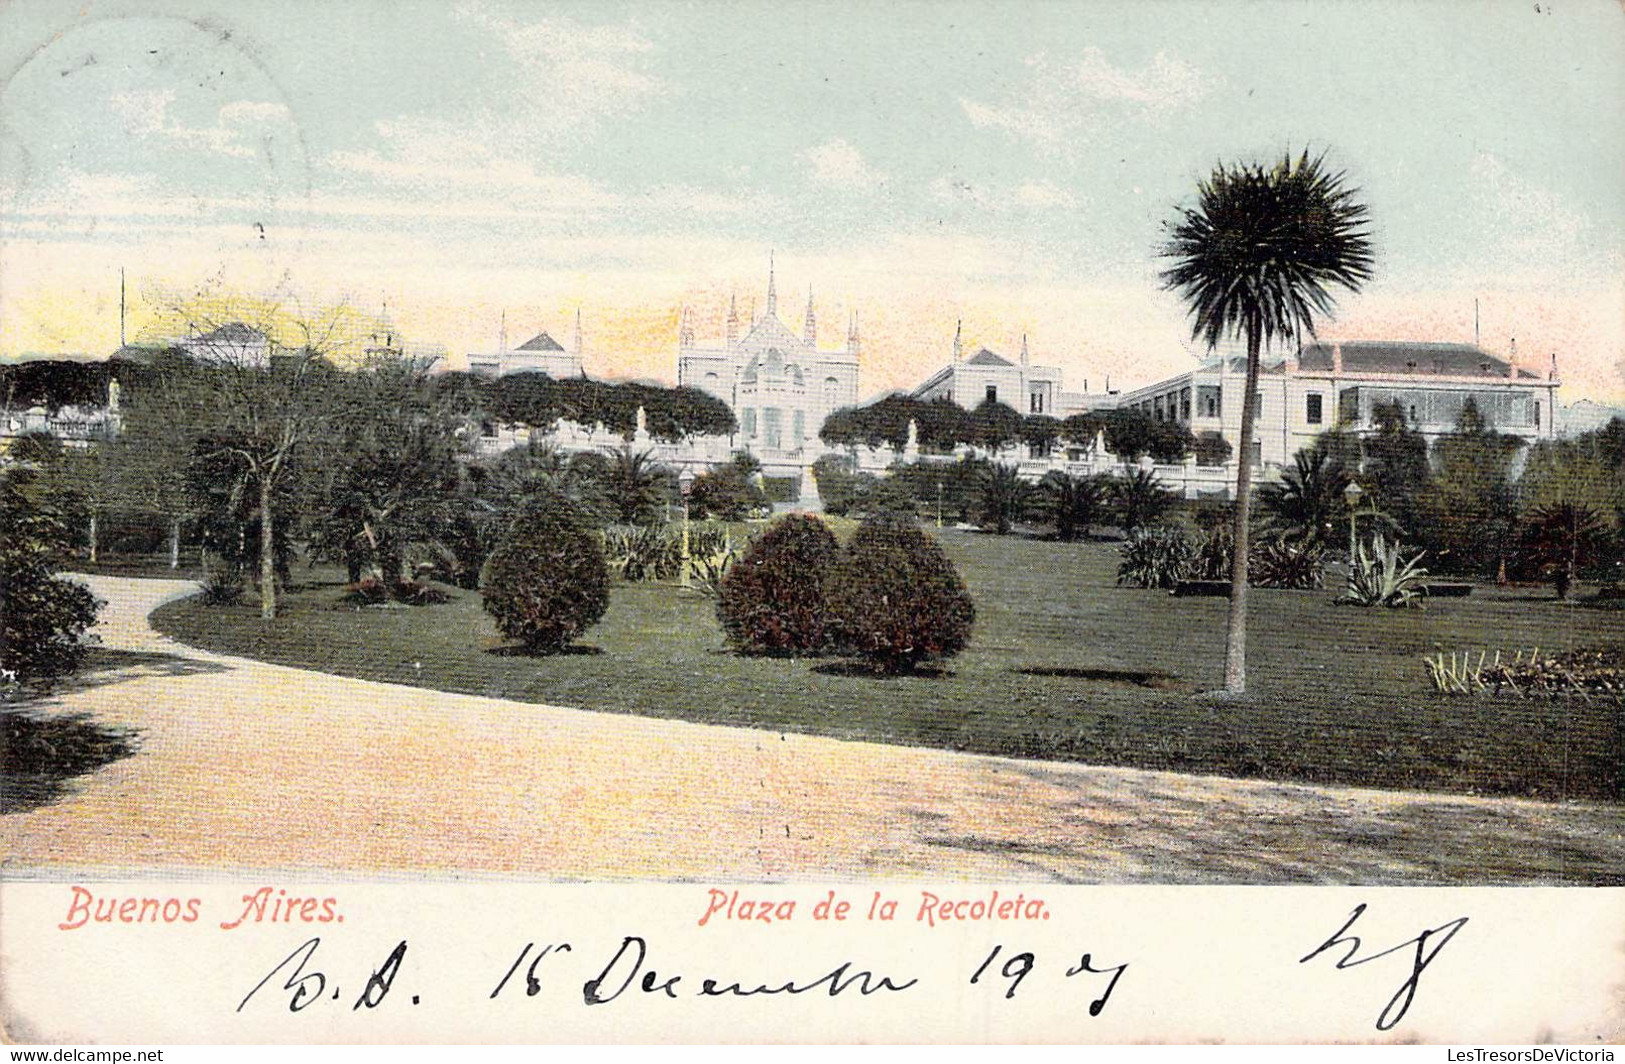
x: 632, y: 966
x: 1400, y: 1003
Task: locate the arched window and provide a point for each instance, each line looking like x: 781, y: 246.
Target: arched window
x: 832, y: 392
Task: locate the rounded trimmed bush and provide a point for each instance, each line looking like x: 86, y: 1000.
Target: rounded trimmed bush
x: 772, y: 601
x: 44, y: 619
x: 547, y: 582
x: 896, y: 599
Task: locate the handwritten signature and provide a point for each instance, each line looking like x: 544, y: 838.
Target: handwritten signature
x: 1400, y: 1003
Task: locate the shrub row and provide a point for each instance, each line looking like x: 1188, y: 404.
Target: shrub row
x: 891, y: 596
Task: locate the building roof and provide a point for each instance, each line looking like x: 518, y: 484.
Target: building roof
x: 233, y: 332
x: 1405, y: 356
x: 984, y: 357
x: 540, y: 342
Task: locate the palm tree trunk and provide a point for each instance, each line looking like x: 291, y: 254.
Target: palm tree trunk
x: 1235, y: 632
x: 267, y: 553
x: 174, y: 543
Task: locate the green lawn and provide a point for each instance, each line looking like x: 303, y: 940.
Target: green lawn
x: 1063, y: 665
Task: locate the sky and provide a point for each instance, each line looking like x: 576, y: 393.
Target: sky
x: 1010, y: 165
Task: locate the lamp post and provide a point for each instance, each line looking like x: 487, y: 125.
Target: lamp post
x: 685, y: 488
x: 1352, y: 495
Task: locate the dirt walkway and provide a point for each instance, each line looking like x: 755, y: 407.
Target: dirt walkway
x: 247, y: 765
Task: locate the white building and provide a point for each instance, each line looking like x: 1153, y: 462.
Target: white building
x: 780, y: 386
x: 1340, y: 384
x: 540, y: 354
x: 1585, y: 416
x: 232, y: 344
x: 987, y: 375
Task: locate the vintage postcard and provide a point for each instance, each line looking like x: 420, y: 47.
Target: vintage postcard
x: 1014, y: 521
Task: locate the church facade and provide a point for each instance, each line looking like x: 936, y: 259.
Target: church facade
x: 780, y: 386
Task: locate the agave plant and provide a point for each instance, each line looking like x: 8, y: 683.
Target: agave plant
x: 1280, y: 562
x: 643, y: 552
x: 1157, y: 557
x: 1382, y: 577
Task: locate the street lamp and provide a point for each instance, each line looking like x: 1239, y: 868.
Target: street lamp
x: 685, y: 489
x: 1352, y: 495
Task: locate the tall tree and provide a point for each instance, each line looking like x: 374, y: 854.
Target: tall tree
x: 396, y: 472
x: 1470, y: 504
x: 1257, y: 258
x: 263, y: 391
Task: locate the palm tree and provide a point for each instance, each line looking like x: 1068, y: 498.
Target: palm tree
x: 1256, y: 258
x: 1075, y: 504
x: 1140, y: 500
x: 1562, y: 537
x: 638, y: 485
x: 1005, y: 498
x: 1307, y: 504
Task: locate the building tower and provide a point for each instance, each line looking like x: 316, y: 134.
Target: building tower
x: 772, y: 292
x: 733, y: 321
x: 959, y: 343
x: 852, y: 342
x: 809, y: 325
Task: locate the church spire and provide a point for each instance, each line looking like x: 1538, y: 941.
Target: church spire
x: 502, y: 333
x: 733, y: 320
x: 852, y: 342
x: 772, y: 292
x: 1026, y: 360
x: 809, y: 325
x: 685, y: 330
x: 959, y: 346
x: 577, y: 344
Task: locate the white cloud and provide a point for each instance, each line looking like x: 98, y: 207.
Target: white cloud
x: 1062, y: 100
x: 245, y: 111
x: 1043, y: 194
x: 573, y: 73
x: 838, y: 164
x: 1028, y: 196
x: 145, y: 113
x: 560, y: 77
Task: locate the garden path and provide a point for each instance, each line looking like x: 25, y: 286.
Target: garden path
x: 245, y: 765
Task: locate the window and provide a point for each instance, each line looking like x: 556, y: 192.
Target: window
x: 747, y: 423
x: 1537, y: 413
x: 772, y: 427
x: 1209, y: 400
x: 799, y: 433
x: 832, y: 392
x: 1156, y: 408
x: 992, y: 393
x: 1035, y: 403
x: 1348, y: 406
x: 1311, y: 408
x: 1184, y: 404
